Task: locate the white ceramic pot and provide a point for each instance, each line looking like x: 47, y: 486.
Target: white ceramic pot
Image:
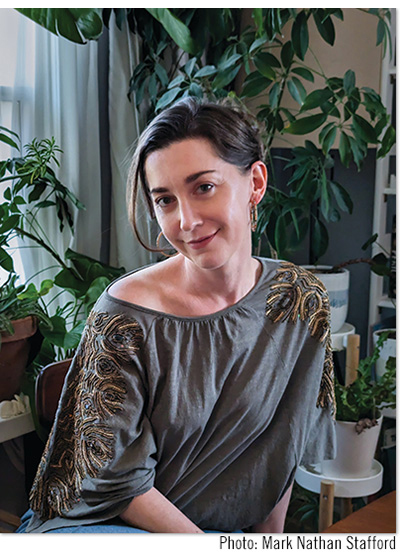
x: 355, y: 452
x: 388, y: 349
x: 337, y: 286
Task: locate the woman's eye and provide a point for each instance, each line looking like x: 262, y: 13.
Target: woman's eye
x: 163, y: 201
x: 206, y: 187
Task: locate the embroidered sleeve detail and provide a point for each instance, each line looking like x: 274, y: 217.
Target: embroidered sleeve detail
x: 296, y: 294
x: 81, y: 441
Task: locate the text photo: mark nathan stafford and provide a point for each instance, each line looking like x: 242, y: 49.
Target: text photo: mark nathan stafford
x: 299, y: 542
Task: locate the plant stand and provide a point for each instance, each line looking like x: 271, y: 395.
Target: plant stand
x: 311, y: 478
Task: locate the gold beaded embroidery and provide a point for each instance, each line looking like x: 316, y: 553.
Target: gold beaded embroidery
x: 298, y: 294
x: 80, y: 442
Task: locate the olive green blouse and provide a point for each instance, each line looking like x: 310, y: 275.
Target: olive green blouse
x: 216, y: 411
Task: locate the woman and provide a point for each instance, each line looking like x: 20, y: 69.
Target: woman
x: 201, y: 382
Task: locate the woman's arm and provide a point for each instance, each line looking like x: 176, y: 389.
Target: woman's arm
x: 153, y: 512
x: 275, y: 522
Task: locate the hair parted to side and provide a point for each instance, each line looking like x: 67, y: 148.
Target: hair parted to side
x: 229, y: 129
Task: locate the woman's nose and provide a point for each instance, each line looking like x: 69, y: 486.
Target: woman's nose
x: 189, y: 217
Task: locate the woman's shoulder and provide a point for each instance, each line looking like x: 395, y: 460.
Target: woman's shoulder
x: 142, y: 287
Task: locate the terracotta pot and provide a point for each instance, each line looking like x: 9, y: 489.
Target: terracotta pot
x: 14, y: 355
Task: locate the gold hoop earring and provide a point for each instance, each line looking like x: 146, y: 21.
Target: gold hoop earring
x: 253, y: 217
x: 162, y: 250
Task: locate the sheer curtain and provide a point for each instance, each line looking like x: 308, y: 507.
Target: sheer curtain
x: 125, y: 125
x: 55, y: 93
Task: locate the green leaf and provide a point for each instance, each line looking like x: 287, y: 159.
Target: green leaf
x: 324, y: 197
x: 10, y: 223
x: 161, y: 73
x: 329, y: 139
x: 349, y: 81
x: 315, y: 99
x: 196, y: 91
x: 176, y: 81
x: 287, y: 54
x: 175, y: 28
x: 304, y: 73
x: 225, y: 77
x: 75, y: 24
x: 206, y: 71
x: 342, y: 197
x: 300, y: 36
x: 254, y: 84
x: 6, y: 261
x: 364, y: 129
x: 9, y: 141
x: 274, y: 95
x: 294, y: 92
x: 370, y: 241
x: 320, y: 239
x: 306, y: 125
x: 325, y: 26
x: 229, y: 62
x: 167, y: 98
x: 358, y: 151
x: 344, y: 149
x: 387, y: 142
x: 189, y: 66
x: 258, y: 19
x: 263, y: 66
x: 45, y: 287
x: 258, y: 43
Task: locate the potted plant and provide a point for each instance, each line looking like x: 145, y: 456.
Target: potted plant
x: 20, y: 314
x: 336, y: 280
x: 359, y: 416
x: 31, y: 187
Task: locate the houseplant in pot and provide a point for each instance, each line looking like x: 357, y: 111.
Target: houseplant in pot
x: 336, y: 280
x: 359, y: 417
x: 32, y: 187
x: 20, y: 314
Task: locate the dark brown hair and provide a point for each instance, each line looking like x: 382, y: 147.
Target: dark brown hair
x: 229, y: 129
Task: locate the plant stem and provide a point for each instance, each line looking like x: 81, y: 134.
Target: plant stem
x: 23, y: 232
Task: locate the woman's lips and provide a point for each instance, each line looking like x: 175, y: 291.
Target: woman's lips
x: 202, y: 241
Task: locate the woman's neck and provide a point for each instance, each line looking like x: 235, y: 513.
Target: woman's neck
x: 220, y: 287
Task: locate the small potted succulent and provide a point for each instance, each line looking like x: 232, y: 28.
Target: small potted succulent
x: 359, y: 416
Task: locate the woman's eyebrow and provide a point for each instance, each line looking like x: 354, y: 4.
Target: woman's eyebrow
x: 188, y: 179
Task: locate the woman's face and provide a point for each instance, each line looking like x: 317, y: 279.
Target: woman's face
x: 202, y: 203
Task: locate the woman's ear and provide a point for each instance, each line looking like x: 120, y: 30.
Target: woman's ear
x: 259, y: 176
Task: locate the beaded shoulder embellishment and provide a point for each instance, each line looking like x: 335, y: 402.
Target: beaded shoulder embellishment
x: 296, y: 294
x: 81, y: 443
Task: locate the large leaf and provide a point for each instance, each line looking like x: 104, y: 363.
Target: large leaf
x: 254, y: 84
x: 175, y: 28
x: 320, y: 239
x: 306, y: 125
x: 342, y: 197
x: 9, y: 141
x: 75, y: 24
x: 325, y: 26
x: 387, y: 142
x: 316, y: 98
x: 364, y: 129
x: 344, y: 149
x: 300, y: 36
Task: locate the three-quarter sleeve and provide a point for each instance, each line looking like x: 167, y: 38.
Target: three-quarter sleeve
x: 101, y: 451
